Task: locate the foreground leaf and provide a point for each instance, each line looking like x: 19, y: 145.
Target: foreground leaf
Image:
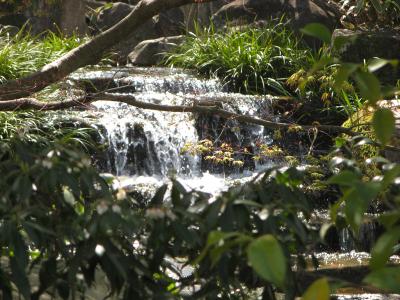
x: 383, y: 248
x: 384, y: 124
x: 266, y: 256
x: 319, y: 31
x: 387, y: 279
x: 369, y: 86
x: 319, y: 290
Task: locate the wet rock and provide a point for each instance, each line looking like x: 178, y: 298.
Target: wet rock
x: 108, y: 17
x: 141, y: 153
x: 72, y: 18
x: 299, y: 13
x: 165, y: 24
x: 150, y: 52
x: 360, y: 45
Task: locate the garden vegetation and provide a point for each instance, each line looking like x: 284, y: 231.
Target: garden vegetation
x: 62, y: 220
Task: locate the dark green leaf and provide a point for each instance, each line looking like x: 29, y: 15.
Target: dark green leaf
x: 63, y: 289
x: 357, y: 201
x: 389, y: 219
x: 387, y: 279
x: 19, y: 278
x: 319, y: 31
x: 159, y: 196
x: 383, y: 248
x: 384, y: 124
x: 318, y: 290
x: 266, y: 257
x: 368, y: 85
x: 47, y: 273
x: 344, y: 178
x: 343, y: 73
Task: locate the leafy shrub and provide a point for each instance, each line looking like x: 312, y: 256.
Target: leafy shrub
x: 40, y: 129
x: 62, y: 221
x: 137, y: 248
x: 252, y: 59
x: 23, y: 54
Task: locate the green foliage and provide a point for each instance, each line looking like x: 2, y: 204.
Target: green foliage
x: 39, y: 129
x: 266, y: 257
x: 61, y: 220
x: 386, y: 278
x: 100, y: 227
x: 384, y: 125
x: 255, y: 60
x: 23, y: 54
x: 360, y: 190
x: 319, y: 290
x: 319, y: 31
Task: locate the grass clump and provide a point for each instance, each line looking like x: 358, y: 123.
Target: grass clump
x: 251, y: 59
x: 41, y: 129
x: 23, y: 53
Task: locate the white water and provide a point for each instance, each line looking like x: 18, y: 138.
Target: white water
x: 145, y: 143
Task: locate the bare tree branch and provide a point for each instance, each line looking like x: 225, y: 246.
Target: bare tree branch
x: 32, y: 103
x: 196, y: 107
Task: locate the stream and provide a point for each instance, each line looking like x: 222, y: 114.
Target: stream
x: 145, y: 146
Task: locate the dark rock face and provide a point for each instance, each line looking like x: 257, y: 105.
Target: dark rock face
x: 201, y: 13
x: 298, y: 12
x: 150, y: 52
x: 66, y: 15
x: 360, y: 45
x: 165, y: 24
x: 142, y: 155
x: 111, y: 16
x: 230, y: 132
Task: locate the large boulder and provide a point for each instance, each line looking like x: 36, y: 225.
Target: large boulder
x: 201, y: 13
x: 299, y: 13
x: 167, y: 23
x: 151, y: 52
x: 357, y: 46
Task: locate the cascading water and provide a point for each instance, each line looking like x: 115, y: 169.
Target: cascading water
x: 145, y: 142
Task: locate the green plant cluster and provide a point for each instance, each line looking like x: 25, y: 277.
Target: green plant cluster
x: 23, y: 54
x: 252, y: 59
x: 62, y: 221
x: 268, y: 59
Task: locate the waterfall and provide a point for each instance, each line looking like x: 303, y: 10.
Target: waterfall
x: 147, y: 142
